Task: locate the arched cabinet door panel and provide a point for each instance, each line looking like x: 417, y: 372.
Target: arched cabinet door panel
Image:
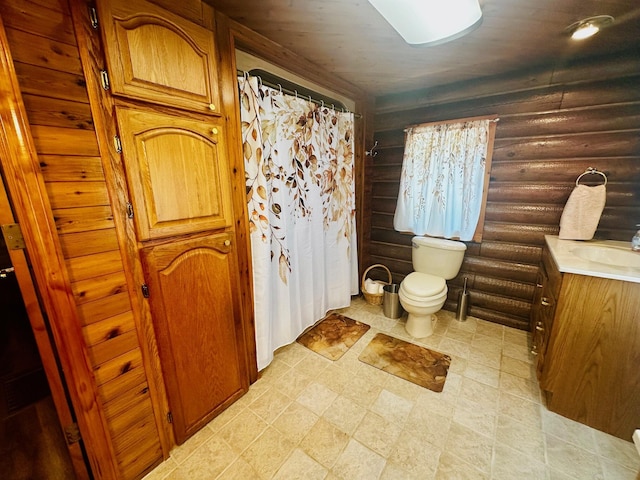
x: 159, y: 57
x: 177, y: 173
x: 193, y: 299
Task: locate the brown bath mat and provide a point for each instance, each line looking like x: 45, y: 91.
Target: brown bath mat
x: 333, y: 336
x: 416, y: 364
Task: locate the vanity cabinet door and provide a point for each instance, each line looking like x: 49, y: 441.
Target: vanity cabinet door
x: 156, y: 56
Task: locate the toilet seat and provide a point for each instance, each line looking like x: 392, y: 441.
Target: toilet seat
x: 422, y: 285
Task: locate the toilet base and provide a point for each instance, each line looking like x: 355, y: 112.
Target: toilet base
x: 420, y: 326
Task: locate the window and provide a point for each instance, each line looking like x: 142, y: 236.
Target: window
x: 445, y: 178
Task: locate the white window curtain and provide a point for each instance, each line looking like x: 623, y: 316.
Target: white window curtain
x: 441, y: 186
x: 299, y: 167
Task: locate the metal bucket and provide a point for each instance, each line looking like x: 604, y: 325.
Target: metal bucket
x: 391, y: 301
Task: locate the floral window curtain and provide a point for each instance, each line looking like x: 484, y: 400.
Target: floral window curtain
x: 441, y: 186
x: 299, y: 166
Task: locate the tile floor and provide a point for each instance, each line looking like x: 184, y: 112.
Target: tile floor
x: 310, y: 418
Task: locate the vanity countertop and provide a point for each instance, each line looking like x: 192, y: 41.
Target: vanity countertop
x: 597, y: 258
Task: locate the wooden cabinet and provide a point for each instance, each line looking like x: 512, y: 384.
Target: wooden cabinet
x: 177, y: 173
x: 175, y: 168
x: 156, y: 56
x: 543, y: 309
x: 193, y: 294
x: 589, y: 368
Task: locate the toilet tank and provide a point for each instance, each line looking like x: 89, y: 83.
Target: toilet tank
x: 437, y: 256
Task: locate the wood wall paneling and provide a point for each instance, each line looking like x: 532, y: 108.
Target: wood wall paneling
x: 549, y: 132
x: 51, y: 76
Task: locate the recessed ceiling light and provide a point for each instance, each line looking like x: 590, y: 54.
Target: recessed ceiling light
x: 430, y: 22
x: 588, y: 27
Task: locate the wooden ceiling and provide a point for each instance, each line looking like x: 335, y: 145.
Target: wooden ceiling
x: 350, y: 39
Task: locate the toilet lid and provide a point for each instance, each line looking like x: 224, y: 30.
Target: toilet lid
x: 423, y: 284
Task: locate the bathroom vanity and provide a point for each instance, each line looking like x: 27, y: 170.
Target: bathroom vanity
x: 586, y: 333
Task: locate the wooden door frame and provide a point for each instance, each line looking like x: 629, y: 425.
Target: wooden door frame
x: 25, y: 185
x: 41, y: 335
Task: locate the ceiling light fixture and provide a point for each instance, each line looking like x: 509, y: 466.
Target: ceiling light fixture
x: 588, y: 27
x: 430, y: 22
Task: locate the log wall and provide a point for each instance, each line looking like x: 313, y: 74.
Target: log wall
x: 553, y: 125
x: 52, y: 82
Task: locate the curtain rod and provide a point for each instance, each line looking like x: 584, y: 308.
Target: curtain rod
x: 276, y: 83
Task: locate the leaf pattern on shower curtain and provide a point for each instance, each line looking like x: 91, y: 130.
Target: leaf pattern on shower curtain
x: 301, y: 202
x: 319, y: 159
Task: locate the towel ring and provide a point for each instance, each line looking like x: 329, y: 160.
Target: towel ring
x: 591, y: 171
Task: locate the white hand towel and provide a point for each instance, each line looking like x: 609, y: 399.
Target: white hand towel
x: 582, y: 212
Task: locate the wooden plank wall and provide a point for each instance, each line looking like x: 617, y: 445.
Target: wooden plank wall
x: 47, y: 62
x: 553, y: 124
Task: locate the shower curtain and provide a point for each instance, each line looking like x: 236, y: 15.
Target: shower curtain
x: 300, y: 192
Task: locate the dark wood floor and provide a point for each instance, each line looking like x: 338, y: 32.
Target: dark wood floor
x: 32, y: 445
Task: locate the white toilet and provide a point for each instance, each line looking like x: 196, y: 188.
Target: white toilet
x: 424, y: 291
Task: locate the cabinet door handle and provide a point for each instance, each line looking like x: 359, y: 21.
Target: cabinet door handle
x: 545, y: 301
x: 539, y: 328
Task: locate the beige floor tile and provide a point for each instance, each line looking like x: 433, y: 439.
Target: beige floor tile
x: 292, y: 384
x: 162, y: 470
x: 268, y: 452
x: 617, y: 450
x: 242, y: 430
x: 572, y: 460
x: 239, y: 469
x: 316, y: 397
x: 206, y: 462
x: 569, y: 431
x: 470, y: 446
x: 396, y: 472
x: 362, y: 392
x: 451, y: 467
x: 518, y: 352
x: 392, y: 407
x: 480, y: 420
x: 344, y: 414
x: 295, y: 422
x: 518, y: 368
x: 364, y: 423
x: 520, y: 387
x: 484, y: 396
x: 270, y: 405
x: 377, y: 433
x: 324, y: 442
x: 615, y: 471
x: 454, y: 347
x: 521, y: 409
x: 489, y: 356
x: 520, y: 436
x: 300, y: 466
x: 490, y: 329
x: 483, y: 374
x: 292, y: 354
x: 182, y: 452
x: 357, y: 462
x: 509, y: 464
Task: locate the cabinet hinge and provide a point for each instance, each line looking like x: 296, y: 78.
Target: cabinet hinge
x: 13, y: 236
x: 145, y: 293
x: 72, y: 433
x: 93, y: 16
x: 117, y: 143
x: 169, y: 417
x: 129, y: 210
x: 104, y: 79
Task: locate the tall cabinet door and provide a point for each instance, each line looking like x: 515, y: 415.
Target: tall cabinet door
x: 156, y: 56
x: 177, y: 173
x: 193, y: 300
